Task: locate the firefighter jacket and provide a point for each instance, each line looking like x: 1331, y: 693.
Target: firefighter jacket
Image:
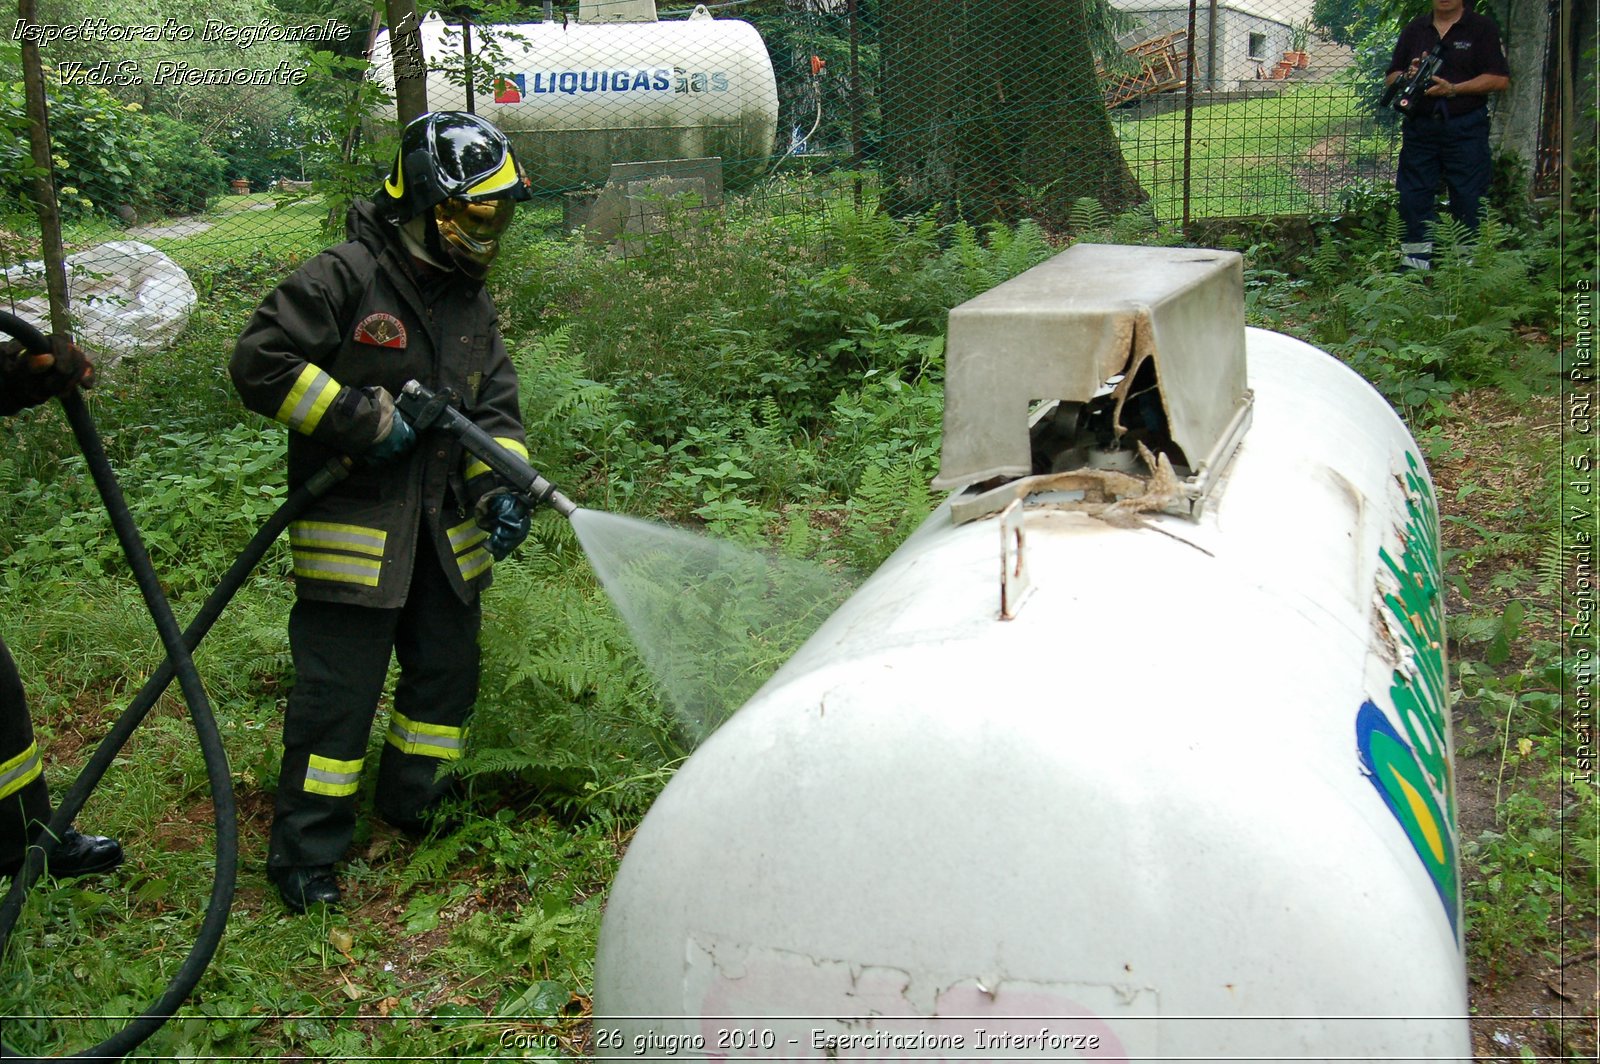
x: 360, y: 315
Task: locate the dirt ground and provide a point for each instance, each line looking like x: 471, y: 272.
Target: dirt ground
x: 1544, y: 1007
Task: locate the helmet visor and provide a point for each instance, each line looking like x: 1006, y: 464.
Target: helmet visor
x: 471, y: 230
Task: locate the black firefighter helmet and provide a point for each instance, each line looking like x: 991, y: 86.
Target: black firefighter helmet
x: 461, y: 170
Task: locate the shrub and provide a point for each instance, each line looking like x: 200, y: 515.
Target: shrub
x: 107, y: 153
x: 181, y: 172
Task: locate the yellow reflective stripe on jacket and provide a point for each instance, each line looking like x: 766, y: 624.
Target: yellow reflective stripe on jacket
x: 475, y: 563
x: 315, y: 543
x: 466, y: 535
x: 476, y: 468
x: 340, y: 568
x: 313, y: 392
x: 471, y: 558
x: 17, y: 772
x: 429, y: 740
x: 337, y: 779
x: 329, y: 535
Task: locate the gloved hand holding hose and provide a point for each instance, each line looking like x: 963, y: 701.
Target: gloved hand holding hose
x: 29, y: 379
x: 506, y: 516
x: 395, y: 436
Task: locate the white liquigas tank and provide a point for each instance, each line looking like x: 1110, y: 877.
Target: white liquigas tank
x: 1137, y: 750
x: 577, y: 96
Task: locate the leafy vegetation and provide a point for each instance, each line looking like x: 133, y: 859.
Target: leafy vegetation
x: 109, y: 153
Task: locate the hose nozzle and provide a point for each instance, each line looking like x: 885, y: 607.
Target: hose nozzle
x: 562, y: 505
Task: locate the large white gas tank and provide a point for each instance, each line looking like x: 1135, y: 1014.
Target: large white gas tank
x: 1152, y: 764
x: 576, y: 97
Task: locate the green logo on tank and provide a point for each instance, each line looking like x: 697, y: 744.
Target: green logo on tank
x: 1412, y: 772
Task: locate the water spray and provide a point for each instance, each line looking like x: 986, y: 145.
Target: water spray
x: 426, y: 410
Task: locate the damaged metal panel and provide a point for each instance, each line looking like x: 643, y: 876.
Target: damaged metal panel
x: 1135, y: 347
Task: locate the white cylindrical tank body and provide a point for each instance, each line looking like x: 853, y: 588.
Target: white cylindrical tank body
x: 1193, y: 801
x: 576, y: 98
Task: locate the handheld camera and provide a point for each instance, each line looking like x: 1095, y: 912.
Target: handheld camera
x: 1406, y: 94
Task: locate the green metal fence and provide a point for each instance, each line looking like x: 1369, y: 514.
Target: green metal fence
x: 181, y: 143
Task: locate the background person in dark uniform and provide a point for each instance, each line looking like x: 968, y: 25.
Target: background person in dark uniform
x: 393, y: 558
x: 28, y: 380
x: 1449, y: 137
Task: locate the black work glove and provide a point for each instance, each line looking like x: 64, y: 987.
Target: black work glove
x: 30, y: 379
x: 507, y: 518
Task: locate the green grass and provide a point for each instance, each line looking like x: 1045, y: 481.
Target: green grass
x: 1245, y: 153
x: 247, y: 226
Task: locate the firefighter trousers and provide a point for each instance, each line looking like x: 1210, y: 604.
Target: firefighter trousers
x: 341, y: 656
x: 24, y: 801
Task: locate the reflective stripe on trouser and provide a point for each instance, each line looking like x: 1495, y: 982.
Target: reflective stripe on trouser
x: 341, y: 657
x: 430, y: 740
x: 336, y: 779
x: 20, y: 771
x: 25, y: 805
x: 1418, y: 255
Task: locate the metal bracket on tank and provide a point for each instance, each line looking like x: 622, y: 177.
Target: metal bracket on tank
x: 1015, y: 583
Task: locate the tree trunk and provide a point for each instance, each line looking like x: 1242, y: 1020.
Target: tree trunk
x: 919, y: 48
x: 996, y: 111
x: 410, y: 71
x: 1527, y: 31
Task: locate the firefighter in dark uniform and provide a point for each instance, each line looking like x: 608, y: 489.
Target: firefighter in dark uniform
x: 28, y: 380
x: 1449, y: 137
x: 394, y: 557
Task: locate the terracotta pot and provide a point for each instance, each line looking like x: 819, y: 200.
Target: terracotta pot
x: 1280, y: 69
x: 240, y: 187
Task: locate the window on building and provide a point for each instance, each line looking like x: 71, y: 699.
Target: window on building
x: 1258, y: 46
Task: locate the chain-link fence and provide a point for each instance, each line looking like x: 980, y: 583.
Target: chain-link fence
x: 183, y: 140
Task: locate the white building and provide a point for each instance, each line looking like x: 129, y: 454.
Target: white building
x: 1236, y: 41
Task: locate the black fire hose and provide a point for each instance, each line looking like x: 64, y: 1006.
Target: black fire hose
x: 179, y: 663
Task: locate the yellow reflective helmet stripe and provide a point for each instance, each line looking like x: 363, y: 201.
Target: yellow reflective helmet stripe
x: 309, y: 398
x: 330, y: 535
x: 337, y: 779
x: 502, y: 179
x: 17, y: 772
x: 429, y: 740
x: 395, y: 183
x: 476, y: 468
